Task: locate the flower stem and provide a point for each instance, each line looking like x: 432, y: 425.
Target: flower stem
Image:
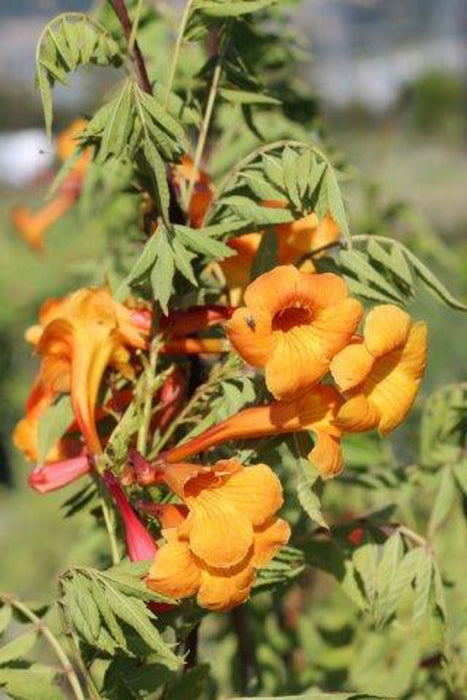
x: 205, y: 125
x: 177, y: 49
x: 109, y: 524
x: 121, y: 11
x: 53, y: 643
x: 148, y: 397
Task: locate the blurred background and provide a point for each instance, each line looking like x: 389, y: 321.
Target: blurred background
x: 391, y: 78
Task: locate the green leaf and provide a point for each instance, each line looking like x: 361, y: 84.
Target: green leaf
x: 289, y: 167
x: 118, y: 126
x: 53, y: 425
x: 308, y: 479
x: 433, y: 283
x: 183, y: 260
x: 107, y: 614
x: 158, y: 171
x: 251, y: 212
x: 18, y: 648
x: 45, y: 84
x: 357, y: 264
x: 266, y: 255
x: 423, y: 580
x: 201, y: 243
x: 5, y: 616
x: 145, y: 261
x: 134, y: 613
x: 445, y: 495
x: 330, y: 196
x: 235, y: 8
x: 386, y: 578
x: 35, y: 682
x: 244, y: 97
x: 163, y: 271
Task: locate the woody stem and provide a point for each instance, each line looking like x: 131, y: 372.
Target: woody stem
x: 54, y: 644
x: 245, y: 650
x: 121, y: 11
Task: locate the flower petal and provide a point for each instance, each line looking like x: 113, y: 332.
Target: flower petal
x: 386, y: 328
x: 250, y: 334
x: 219, y: 534
x: 273, y: 290
x: 223, y: 590
x: 255, y: 491
x: 174, y: 572
x: 269, y: 538
x: 357, y: 415
x: 351, y: 366
x: 326, y: 455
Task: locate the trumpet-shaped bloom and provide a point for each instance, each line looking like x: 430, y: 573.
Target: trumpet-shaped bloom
x: 380, y: 373
x: 315, y: 411
x: 77, y: 339
x: 295, y: 240
x: 292, y: 325
x: 230, y: 531
x: 56, y: 475
x: 34, y: 225
x: 140, y: 545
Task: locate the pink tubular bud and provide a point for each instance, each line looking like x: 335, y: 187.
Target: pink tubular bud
x: 56, y: 475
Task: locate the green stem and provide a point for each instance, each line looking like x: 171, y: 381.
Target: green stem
x: 149, y: 387
x: 205, y: 125
x: 177, y: 49
x: 54, y: 645
x: 109, y: 524
x: 134, y: 29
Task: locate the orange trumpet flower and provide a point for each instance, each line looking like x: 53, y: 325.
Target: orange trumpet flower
x: 34, y: 225
x: 380, y: 373
x: 292, y: 325
x: 315, y: 411
x: 77, y: 339
x: 295, y: 240
x: 230, y: 531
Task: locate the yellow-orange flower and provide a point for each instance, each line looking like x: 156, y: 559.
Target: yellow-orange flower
x: 295, y: 240
x: 315, y: 411
x: 78, y: 338
x: 66, y: 144
x: 292, y: 325
x: 34, y: 225
x: 380, y: 373
x: 231, y: 530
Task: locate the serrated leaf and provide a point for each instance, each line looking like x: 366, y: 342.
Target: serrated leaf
x: 53, y: 425
x: 243, y: 97
x: 35, y: 682
x: 157, y: 112
x: 118, y: 126
x: 157, y: 169
x: 308, y: 477
x: 183, y: 260
x: 445, y: 495
x: 45, y: 88
x: 423, y: 579
x: 196, y: 241
x: 135, y: 614
x: 146, y: 259
x: 256, y: 214
x: 357, y: 263
x: 163, y: 271
x: 5, y: 616
x: 386, y: 577
x: 85, y: 601
x: 289, y: 167
x: 107, y: 614
x: 433, y: 283
x: 266, y: 257
x: 214, y: 8
x: 330, y: 195
x: 19, y: 647
x: 365, y: 559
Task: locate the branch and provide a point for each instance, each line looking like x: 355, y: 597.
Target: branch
x: 53, y: 643
x: 122, y: 14
x: 245, y: 649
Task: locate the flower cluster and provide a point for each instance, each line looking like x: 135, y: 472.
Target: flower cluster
x: 329, y: 372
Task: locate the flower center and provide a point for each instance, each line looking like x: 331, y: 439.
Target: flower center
x: 288, y: 318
